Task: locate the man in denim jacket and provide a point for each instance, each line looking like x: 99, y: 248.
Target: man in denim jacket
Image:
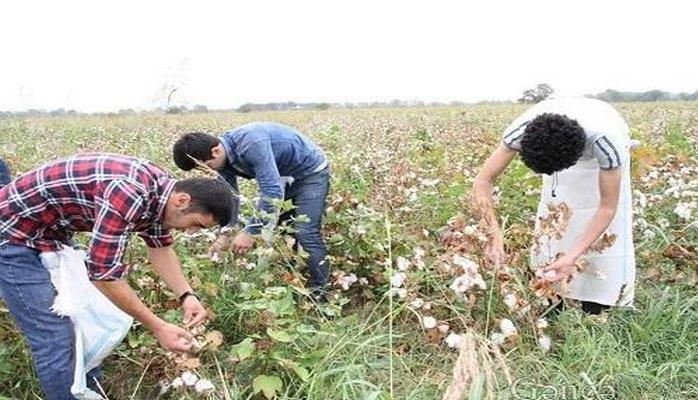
x: 286, y: 165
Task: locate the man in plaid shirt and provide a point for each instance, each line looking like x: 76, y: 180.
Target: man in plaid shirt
x: 111, y: 196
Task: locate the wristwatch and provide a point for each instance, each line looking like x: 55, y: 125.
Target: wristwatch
x: 187, y: 294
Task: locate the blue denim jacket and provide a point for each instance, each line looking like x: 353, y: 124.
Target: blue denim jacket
x: 268, y: 151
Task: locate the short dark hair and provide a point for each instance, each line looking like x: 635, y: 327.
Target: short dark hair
x: 210, y: 196
x: 195, y: 144
x: 551, y: 143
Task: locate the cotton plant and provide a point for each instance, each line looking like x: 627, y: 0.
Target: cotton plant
x: 470, y: 277
x: 507, y: 332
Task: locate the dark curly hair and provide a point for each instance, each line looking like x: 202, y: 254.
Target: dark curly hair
x: 197, y: 145
x: 551, y: 143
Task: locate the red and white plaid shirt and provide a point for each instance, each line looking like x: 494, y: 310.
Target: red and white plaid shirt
x: 107, y: 194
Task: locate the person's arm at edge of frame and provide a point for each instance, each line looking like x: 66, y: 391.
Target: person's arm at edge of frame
x: 483, y: 186
x: 260, y: 156
x: 165, y: 263
x: 222, y: 242
x: 609, y: 192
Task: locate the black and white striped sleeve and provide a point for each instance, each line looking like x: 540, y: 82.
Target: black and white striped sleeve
x: 513, y: 134
x: 607, y: 153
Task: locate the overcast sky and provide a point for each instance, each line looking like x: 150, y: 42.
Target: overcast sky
x: 108, y: 55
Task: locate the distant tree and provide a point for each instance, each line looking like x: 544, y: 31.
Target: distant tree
x: 59, y: 112
x: 536, y: 94
x: 245, y: 108
x: 322, y: 106
x: 176, y: 110
x: 654, y: 95
x: 200, y: 108
x: 611, y: 95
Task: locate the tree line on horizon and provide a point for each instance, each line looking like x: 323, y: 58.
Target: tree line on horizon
x: 533, y: 95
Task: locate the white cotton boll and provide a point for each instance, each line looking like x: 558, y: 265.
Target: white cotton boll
x: 398, y: 279
x: 466, y: 263
x: 417, y: 302
x: 461, y: 284
x: 418, y: 258
x: 347, y: 280
x: 684, y: 210
x: 250, y: 266
x: 507, y: 327
x: 443, y: 328
x: 454, y: 340
x: 545, y: 343
x: 164, y: 388
x: 466, y: 281
x: 145, y: 281
x: 188, y: 378
x: 412, y: 195
x: 402, y: 264
x: 177, y: 382
x: 429, y: 322
x: 430, y: 182
x: 511, y: 301
x: 470, y: 277
x: 498, y: 338
x: 541, y: 323
x: 204, y: 385
x: 363, y: 281
x: 470, y: 230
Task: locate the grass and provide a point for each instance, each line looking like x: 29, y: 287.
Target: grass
x: 377, y: 348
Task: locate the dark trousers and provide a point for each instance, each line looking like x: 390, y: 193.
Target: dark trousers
x: 308, y: 196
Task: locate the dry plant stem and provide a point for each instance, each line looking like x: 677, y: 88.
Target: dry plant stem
x: 140, y: 380
x: 467, y: 368
x: 478, y: 357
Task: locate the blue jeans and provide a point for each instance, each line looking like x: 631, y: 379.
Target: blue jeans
x: 5, y: 176
x: 26, y: 287
x: 308, y: 195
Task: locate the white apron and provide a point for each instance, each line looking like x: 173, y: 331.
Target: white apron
x: 610, y: 277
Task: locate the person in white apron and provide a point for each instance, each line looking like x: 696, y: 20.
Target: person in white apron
x: 582, y: 148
